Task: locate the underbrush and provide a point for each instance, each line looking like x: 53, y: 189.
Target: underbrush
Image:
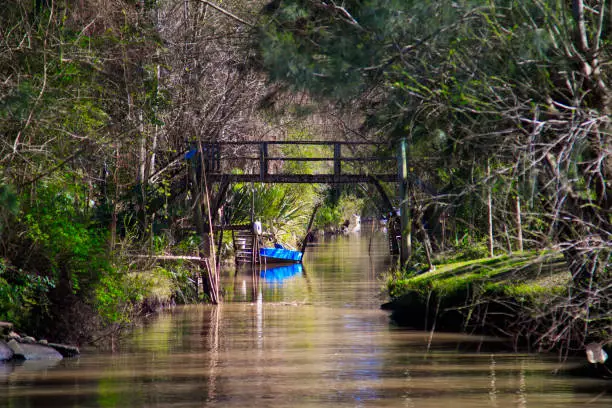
x: 59, y: 278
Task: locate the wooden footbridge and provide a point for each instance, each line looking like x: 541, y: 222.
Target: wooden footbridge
x: 265, y: 162
x: 331, y: 162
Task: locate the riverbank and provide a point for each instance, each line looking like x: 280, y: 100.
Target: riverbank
x: 14, y: 346
x: 526, y: 298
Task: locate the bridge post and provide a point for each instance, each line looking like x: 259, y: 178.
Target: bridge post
x: 337, y: 158
x: 263, y: 161
x: 404, y: 190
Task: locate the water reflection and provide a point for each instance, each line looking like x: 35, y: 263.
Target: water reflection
x: 278, y: 274
x: 493, y: 387
x: 312, y: 339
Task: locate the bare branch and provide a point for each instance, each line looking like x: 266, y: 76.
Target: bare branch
x: 227, y: 13
x: 578, y: 10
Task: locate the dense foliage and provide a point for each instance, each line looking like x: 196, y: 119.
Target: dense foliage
x: 99, y: 103
x: 505, y: 105
x: 95, y: 101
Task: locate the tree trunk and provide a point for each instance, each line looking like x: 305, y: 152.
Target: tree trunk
x: 406, y: 225
x: 490, y: 210
x: 519, y: 224
x: 419, y: 214
x: 114, y: 201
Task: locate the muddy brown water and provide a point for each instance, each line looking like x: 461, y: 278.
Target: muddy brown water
x: 311, y: 338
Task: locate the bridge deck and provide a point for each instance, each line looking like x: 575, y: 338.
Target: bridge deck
x: 302, y: 178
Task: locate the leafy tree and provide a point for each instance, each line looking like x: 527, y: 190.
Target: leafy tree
x: 506, y: 107
x: 525, y: 82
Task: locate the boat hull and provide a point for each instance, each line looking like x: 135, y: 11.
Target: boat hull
x: 280, y: 255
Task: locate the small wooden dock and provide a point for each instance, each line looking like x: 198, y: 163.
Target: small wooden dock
x: 246, y: 246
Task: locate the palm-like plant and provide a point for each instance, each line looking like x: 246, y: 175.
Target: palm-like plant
x: 282, y: 210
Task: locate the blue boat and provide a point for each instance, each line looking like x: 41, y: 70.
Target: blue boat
x: 279, y: 254
x: 280, y: 273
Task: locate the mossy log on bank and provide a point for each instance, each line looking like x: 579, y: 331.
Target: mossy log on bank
x: 525, y: 297
x: 448, y: 295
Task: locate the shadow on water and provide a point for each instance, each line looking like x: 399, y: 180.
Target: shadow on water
x: 314, y: 337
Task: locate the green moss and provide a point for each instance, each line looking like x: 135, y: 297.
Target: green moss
x: 521, y: 276
x: 484, y: 294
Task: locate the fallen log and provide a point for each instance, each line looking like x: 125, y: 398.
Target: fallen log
x: 170, y: 257
x: 65, y: 350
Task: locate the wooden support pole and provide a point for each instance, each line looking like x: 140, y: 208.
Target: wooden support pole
x: 254, y: 249
x: 219, y: 246
x: 337, y: 158
x: 263, y: 161
x: 309, y: 228
x: 404, y: 190
x: 388, y: 205
x: 216, y: 158
x: 208, y: 238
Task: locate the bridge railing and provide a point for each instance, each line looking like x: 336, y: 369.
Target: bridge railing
x: 223, y: 157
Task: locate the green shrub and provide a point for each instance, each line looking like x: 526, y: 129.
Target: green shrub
x: 20, y: 292
x: 74, y: 248
x: 468, y: 251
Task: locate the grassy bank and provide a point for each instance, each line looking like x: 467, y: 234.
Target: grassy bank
x: 525, y: 297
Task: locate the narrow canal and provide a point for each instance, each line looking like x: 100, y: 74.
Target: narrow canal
x: 311, y: 338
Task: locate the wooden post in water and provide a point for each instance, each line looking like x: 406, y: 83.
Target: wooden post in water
x: 404, y: 190
x: 309, y: 228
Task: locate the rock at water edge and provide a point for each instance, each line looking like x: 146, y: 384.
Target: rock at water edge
x: 13, y: 335
x: 33, y: 351
x: 5, y: 351
x: 65, y: 350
